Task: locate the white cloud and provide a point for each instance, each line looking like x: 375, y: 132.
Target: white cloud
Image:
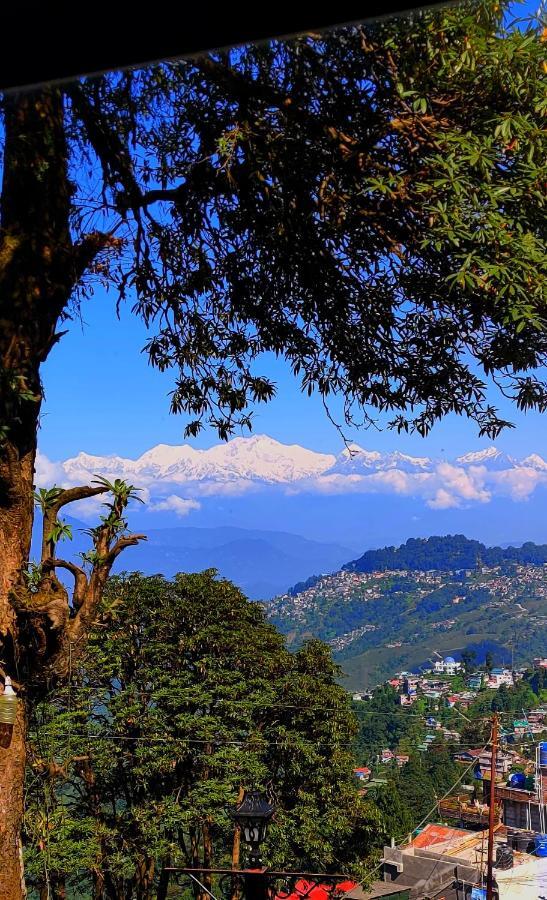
x: 48, y: 473
x: 181, y: 506
x: 519, y: 483
x: 252, y: 465
x: 457, y: 485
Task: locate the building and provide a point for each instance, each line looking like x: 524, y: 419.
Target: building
x: 540, y: 662
x: 504, y: 761
x: 498, y: 677
x: 363, y: 773
x: 520, y: 726
x: 446, y: 862
x: 447, y: 666
x: 474, y: 681
x: 467, y: 756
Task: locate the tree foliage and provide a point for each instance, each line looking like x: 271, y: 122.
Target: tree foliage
x: 445, y: 554
x: 367, y: 203
x: 185, y: 697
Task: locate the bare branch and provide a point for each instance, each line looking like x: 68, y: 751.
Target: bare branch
x: 128, y: 540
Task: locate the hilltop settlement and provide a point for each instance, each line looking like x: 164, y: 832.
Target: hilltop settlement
x: 436, y: 638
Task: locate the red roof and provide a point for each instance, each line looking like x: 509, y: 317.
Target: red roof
x: 436, y: 834
x: 364, y: 769
x: 311, y: 890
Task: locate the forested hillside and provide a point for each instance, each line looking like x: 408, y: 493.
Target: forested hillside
x: 442, y: 554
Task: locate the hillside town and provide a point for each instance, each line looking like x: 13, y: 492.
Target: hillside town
x: 446, y: 853
x: 410, y: 614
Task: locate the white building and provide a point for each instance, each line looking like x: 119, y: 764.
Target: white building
x: 447, y: 666
x: 498, y: 677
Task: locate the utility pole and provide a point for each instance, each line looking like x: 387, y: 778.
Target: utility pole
x: 492, y: 811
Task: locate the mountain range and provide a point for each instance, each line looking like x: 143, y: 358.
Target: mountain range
x: 263, y: 460
x: 360, y: 498
x: 262, y: 563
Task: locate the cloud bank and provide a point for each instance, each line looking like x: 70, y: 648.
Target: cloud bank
x: 176, y: 479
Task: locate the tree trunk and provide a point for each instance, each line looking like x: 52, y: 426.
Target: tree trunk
x: 16, y: 474
x: 36, y: 278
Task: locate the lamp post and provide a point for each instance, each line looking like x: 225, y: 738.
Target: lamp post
x: 252, y: 816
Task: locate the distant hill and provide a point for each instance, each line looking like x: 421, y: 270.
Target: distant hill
x: 395, y: 608
x: 261, y: 563
x: 445, y: 554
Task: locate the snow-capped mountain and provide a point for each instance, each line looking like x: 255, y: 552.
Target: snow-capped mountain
x: 492, y: 458
x: 356, y: 459
x: 256, y: 459
x: 176, y: 477
x: 534, y: 462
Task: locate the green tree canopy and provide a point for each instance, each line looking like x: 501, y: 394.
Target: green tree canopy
x: 368, y: 203
x: 184, y: 699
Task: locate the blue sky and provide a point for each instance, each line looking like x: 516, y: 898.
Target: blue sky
x: 103, y: 397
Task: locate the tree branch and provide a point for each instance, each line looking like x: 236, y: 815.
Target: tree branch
x: 129, y: 540
x: 80, y: 624
x: 85, y: 251
x: 70, y: 495
x: 80, y: 578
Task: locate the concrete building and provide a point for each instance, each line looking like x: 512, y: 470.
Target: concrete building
x: 445, y: 862
x: 447, y: 666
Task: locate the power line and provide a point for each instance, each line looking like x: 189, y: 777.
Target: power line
x: 423, y: 821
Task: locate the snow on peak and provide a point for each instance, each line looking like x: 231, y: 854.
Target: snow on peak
x: 479, y: 456
x: 261, y: 459
x: 258, y: 458
x: 534, y: 461
x: 353, y: 451
x: 420, y: 462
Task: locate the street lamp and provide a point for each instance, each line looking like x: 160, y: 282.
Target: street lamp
x: 253, y: 815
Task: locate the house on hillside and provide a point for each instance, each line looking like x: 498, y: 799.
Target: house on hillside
x: 504, y: 761
x: 467, y: 756
x: 474, y: 681
x: 363, y: 773
x: 498, y: 677
x: 520, y: 726
x: 407, y: 699
x: 447, y: 666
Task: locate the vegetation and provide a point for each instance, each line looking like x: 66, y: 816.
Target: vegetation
x: 184, y: 697
x: 381, y: 623
x: 446, y: 554
x: 366, y: 203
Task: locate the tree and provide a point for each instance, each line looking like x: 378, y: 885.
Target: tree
x: 367, y: 204
x: 469, y: 658
x: 188, y: 697
x: 488, y: 662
